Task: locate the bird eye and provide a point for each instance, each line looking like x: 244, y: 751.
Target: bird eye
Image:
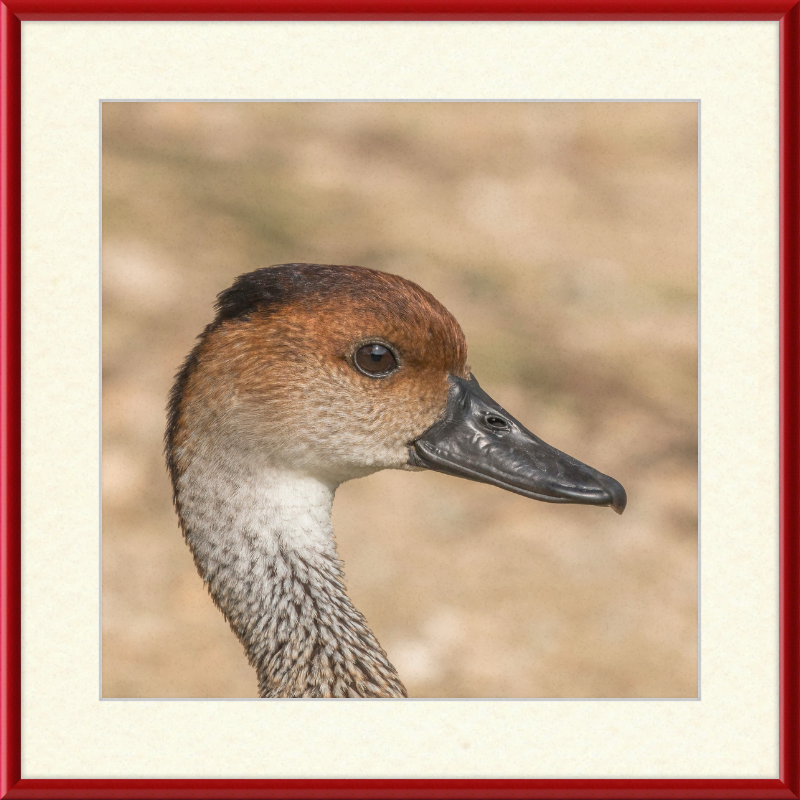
x: 375, y: 360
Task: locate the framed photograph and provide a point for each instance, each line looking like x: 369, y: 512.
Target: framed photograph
x: 256, y: 257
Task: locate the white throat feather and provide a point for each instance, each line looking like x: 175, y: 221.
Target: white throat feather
x: 262, y: 540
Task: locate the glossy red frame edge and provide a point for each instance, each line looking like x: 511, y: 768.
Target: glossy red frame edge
x: 16, y: 11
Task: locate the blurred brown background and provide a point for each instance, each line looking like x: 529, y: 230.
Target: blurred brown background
x: 563, y: 237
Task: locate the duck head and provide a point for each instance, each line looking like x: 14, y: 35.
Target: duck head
x: 340, y: 371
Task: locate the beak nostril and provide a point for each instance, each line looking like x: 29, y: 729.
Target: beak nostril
x: 496, y: 423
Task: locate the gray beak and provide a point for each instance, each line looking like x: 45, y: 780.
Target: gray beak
x: 479, y: 440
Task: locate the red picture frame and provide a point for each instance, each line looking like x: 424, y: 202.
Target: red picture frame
x: 14, y: 12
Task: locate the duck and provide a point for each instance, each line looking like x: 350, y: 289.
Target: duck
x: 308, y: 376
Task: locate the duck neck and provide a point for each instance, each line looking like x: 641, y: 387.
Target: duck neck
x: 263, y: 542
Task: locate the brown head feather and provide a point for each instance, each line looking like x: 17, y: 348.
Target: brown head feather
x: 277, y: 362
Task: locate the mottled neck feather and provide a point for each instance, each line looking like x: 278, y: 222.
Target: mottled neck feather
x: 263, y: 542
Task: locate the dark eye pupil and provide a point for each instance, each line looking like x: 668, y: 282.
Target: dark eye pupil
x: 375, y: 359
